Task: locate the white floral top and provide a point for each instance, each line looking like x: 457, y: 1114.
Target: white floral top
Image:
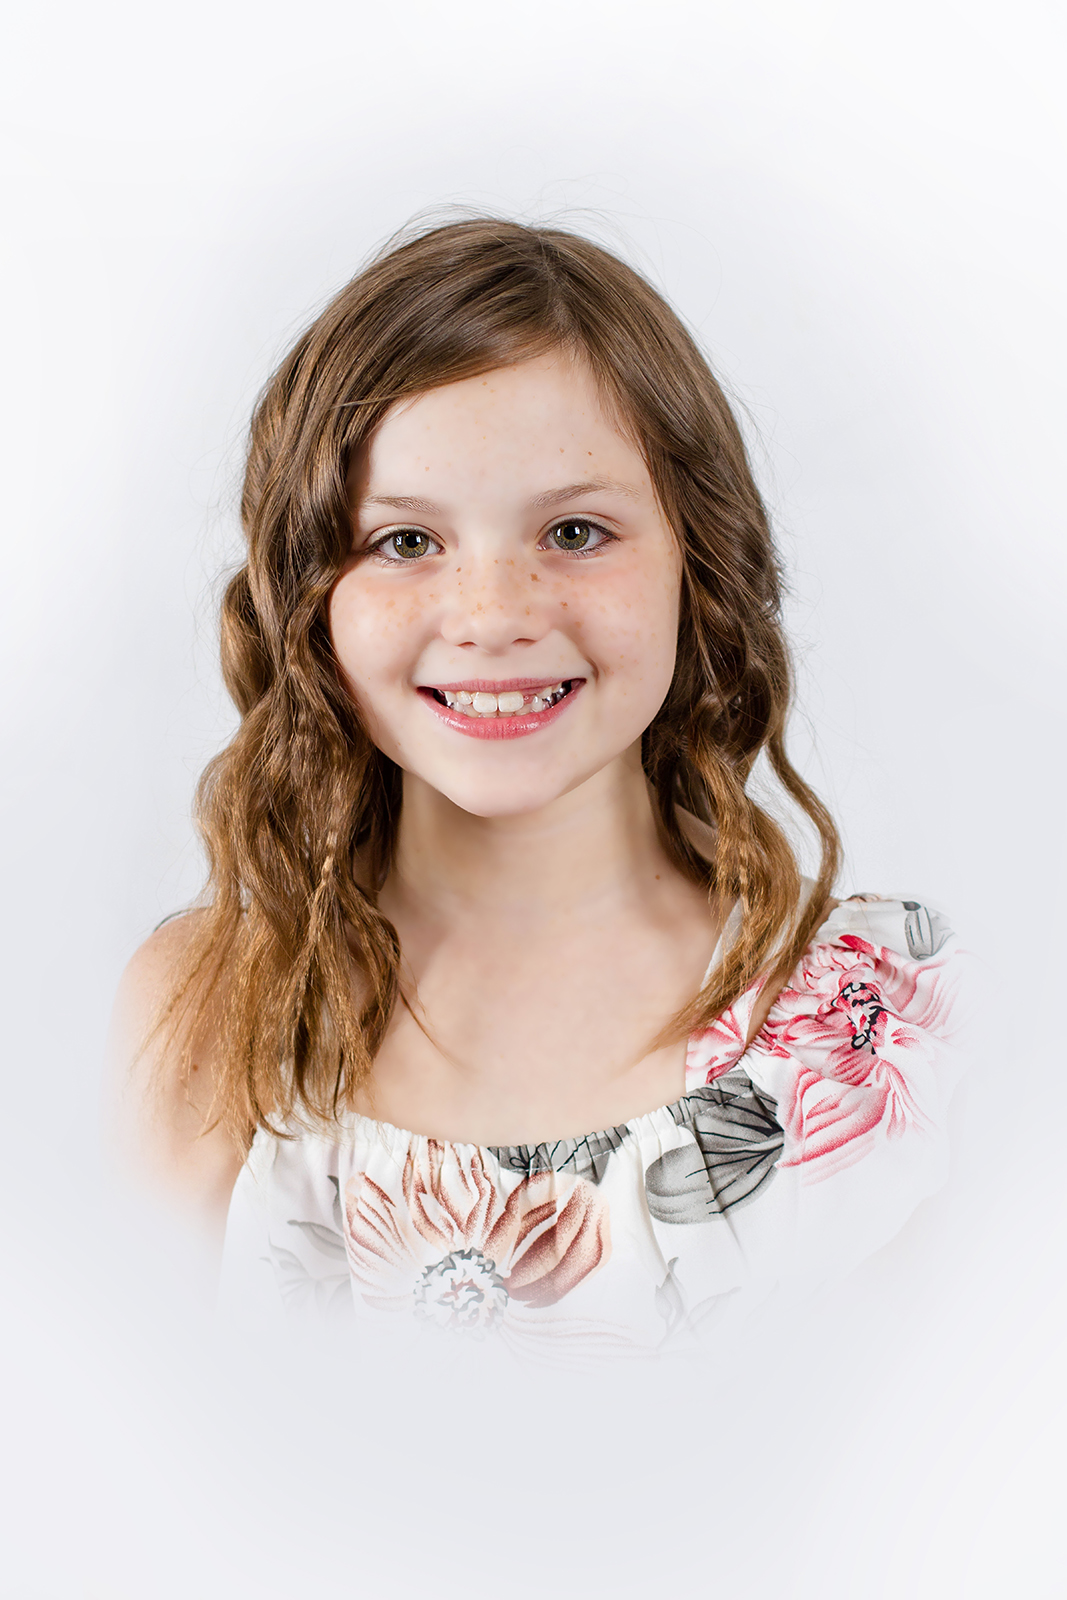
x: 782, y: 1163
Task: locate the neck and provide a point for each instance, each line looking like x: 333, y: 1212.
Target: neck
x: 597, y: 843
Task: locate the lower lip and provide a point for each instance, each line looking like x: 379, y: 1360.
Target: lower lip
x: 498, y: 727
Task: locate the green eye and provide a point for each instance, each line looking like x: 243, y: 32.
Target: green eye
x: 409, y: 545
x: 571, y: 535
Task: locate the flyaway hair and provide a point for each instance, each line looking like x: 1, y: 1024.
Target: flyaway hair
x: 299, y: 813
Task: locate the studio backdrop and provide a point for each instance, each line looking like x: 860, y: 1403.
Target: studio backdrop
x: 856, y: 208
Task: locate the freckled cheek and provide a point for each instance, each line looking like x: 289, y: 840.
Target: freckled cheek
x: 630, y: 622
x: 374, y: 635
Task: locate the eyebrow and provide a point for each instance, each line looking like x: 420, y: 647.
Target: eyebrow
x: 551, y: 497
x: 401, y: 502
x: 574, y: 491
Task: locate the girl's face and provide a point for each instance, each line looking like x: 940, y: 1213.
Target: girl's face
x: 508, y: 618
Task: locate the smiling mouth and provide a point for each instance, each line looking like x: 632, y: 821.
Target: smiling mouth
x: 480, y: 703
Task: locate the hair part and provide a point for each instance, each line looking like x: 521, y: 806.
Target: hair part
x: 299, y: 812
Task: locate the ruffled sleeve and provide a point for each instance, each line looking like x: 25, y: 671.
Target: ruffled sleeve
x: 860, y: 1053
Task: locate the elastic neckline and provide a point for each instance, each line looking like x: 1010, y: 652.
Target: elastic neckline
x: 402, y: 1139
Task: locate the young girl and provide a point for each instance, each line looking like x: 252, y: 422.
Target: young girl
x: 508, y: 1011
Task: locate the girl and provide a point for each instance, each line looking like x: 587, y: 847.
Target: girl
x: 507, y: 1010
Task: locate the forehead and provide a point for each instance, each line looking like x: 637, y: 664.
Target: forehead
x: 536, y: 422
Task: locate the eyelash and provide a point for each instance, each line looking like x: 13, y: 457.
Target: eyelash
x: 378, y: 546
x: 605, y: 537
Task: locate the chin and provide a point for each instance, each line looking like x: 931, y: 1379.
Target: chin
x: 503, y: 800
x: 529, y: 787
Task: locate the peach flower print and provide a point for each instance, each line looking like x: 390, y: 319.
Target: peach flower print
x: 459, y: 1253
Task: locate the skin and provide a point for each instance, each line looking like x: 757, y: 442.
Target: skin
x: 157, y: 1113
x: 547, y: 937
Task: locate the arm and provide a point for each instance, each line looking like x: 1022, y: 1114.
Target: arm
x: 160, y: 1104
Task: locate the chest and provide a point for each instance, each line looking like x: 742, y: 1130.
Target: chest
x: 514, y: 1040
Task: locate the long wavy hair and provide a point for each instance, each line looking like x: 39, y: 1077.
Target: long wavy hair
x: 299, y: 812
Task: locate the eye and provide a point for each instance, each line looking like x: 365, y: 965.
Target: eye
x: 407, y: 544
x: 577, y: 537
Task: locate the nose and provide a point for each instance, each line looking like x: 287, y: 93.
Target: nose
x: 493, y: 604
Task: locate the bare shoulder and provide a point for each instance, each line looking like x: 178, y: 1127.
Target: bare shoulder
x: 144, y: 988
x: 163, y: 1083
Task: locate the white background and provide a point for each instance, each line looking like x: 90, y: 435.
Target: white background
x: 858, y: 207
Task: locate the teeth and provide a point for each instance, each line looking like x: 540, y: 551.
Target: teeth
x: 510, y: 703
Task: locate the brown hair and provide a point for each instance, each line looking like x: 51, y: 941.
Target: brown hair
x: 301, y: 790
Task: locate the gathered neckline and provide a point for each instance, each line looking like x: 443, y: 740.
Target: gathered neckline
x: 395, y: 1138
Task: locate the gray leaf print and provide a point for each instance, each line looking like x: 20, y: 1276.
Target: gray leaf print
x: 736, y: 1141
x: 332, y: 1243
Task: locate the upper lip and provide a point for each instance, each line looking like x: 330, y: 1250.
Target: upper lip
x: 501, y: 686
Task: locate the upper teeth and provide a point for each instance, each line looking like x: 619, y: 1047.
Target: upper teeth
x: 481, y: 704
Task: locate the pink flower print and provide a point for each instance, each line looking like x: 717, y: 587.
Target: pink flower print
x: 714, y: 1050
x: 452, y: 1248
x: 860, y: 1019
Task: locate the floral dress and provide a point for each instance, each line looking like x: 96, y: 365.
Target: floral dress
x: 783, y: 1163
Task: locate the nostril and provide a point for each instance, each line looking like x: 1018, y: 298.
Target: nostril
x: 476, y: 644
